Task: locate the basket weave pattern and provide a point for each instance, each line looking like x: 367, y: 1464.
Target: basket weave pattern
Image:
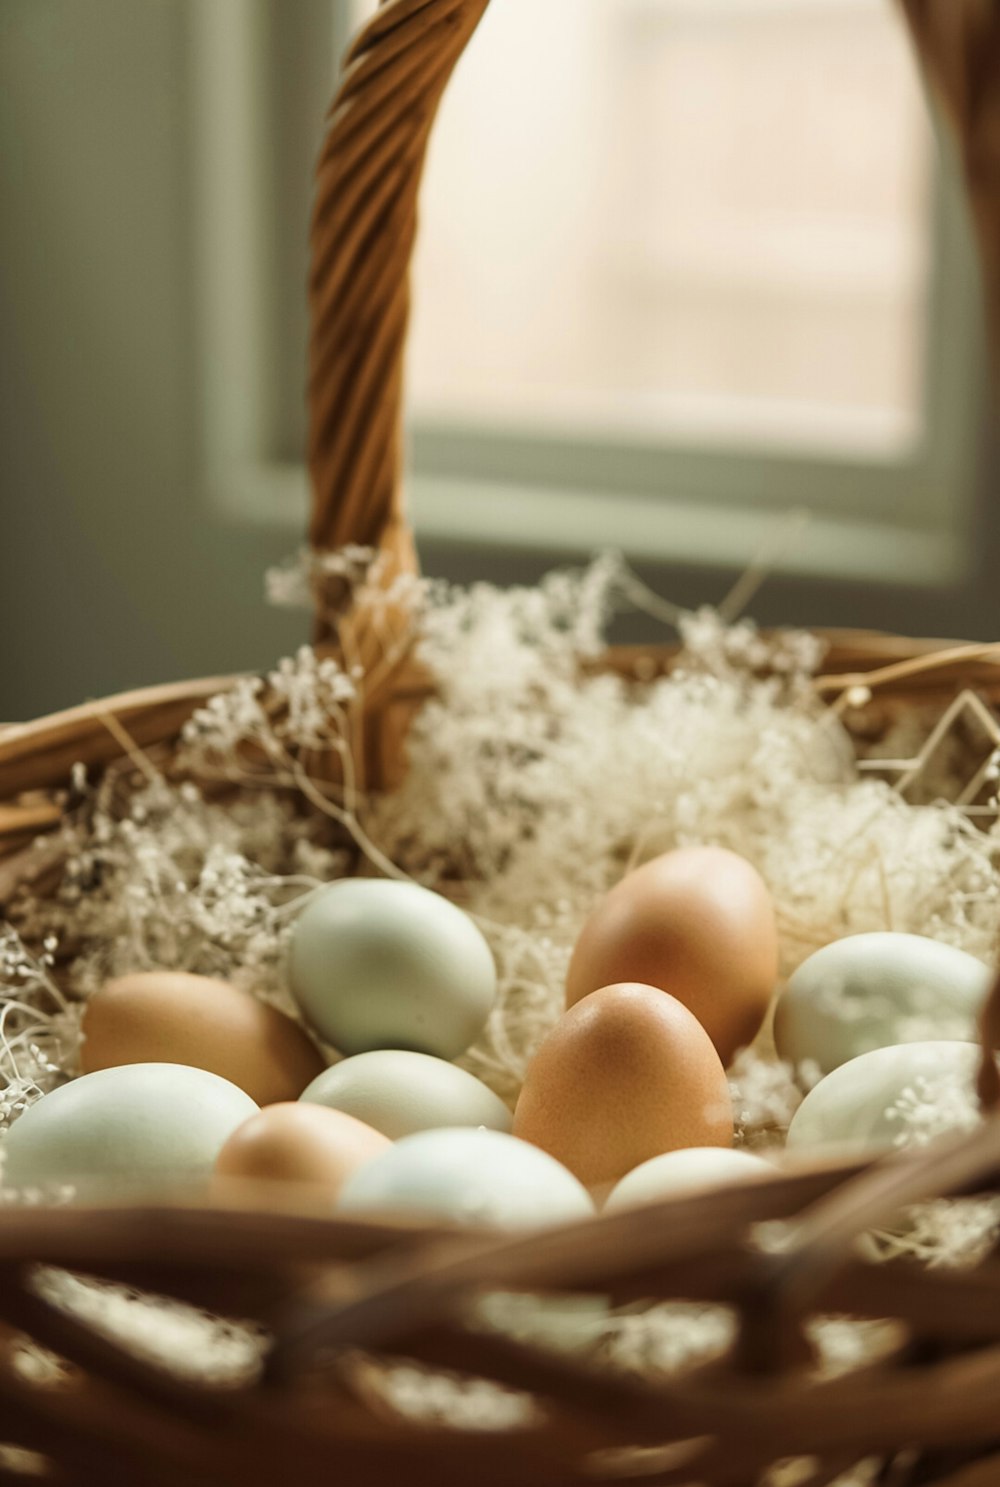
x: 334, y: 1293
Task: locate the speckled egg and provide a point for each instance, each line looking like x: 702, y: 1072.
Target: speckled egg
x: 304, y: 1144
x: 626, y: 1074
x: 466, y: 1177
x: 137, y: 1126
x: 899, y: 1096
x: 697, y: 923
x: 399, y: 1093
x: 171, y: 1017
x: 875, y: 990
x: 380, y: 964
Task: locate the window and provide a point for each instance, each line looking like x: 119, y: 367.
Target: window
x: 708, y: 218
x: 684, y: 264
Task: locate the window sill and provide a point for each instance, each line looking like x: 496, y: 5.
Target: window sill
x: 578, y: 523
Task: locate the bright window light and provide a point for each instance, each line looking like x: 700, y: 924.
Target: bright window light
x: 692, y: 217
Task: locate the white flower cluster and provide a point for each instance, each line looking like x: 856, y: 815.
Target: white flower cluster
x: 765, y: 1097
x: 38, y: 1027
x: 956, y: 1233
x: 183, y: 1338
x: 434, y: 1397
x: 716, y: 646
x: 292, y: 585
x: 315, y: 692
x: 669, y: 1338
x: 260, y: 723
x: 930, y: 1107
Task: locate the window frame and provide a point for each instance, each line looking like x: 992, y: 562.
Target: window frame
x: 696, y: 501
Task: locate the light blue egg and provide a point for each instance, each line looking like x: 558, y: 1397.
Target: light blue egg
x: 874, y: 991
x: 891, y: 1097
x: 399, y: 1093
x: 380, y: 964
x: 467, y: 1177
x: 137, y: 1125
x: 691, y: 1169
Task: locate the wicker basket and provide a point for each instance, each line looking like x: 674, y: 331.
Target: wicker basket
x: 336, y: 1293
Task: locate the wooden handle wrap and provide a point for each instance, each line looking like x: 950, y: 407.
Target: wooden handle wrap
x: 363, y: 231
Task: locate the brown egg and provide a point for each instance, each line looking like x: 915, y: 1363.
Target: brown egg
x: 170, y: 1017
x: 699, y: 924
x: 305, y: 1144
x: 625, y: 1075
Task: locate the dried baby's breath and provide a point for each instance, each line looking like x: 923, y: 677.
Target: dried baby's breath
x: 433, y: 1397
x: 183, y: 1338
x: 952, y: 1233
x: 535, y: 781
x: 293, y: 584
x: 930, y: 1107
x: 38, y: 1027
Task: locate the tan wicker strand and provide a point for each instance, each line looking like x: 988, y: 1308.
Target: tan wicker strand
x: 364, y: 223
x: 389, y: 19
x: 41, y: 754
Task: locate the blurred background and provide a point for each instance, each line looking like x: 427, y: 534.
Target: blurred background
x: 687, y: 268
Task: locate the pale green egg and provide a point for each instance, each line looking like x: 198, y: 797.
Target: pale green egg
x: 891, y: 1097
x: 874, y: 991
x: 137, y: 1125
x: 399, y: 1093
x: 691, y: 1169
x: 465, y: 1176
x: 379, y: 964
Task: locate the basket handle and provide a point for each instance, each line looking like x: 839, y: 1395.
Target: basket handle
x: 363, y: 230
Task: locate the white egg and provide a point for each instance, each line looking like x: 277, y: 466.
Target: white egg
x: 692, y: 1169
x: 135, y: 1125
x: 900, y: 1096
x: 874, y: 991
x: 467, y: 1177
x: 399, y: 1093
x: 380, y: 964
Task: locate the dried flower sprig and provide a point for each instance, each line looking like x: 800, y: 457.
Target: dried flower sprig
x: 38, y: 1026
x: 293, y: 584
x: 535, y: 780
